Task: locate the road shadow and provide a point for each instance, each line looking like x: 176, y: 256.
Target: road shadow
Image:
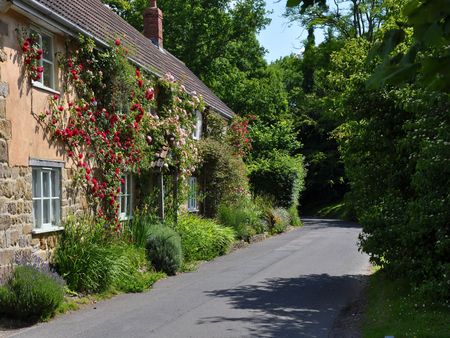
x: 306, y: 306
x: 328, y: 223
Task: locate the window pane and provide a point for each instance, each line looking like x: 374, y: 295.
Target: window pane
x: 47, y: 47
x: 46, y: 214
x: 128, y: 181
x: 56, y: 212
x: 55, y: 184
x: 123, y: 186
x: 48, y: 75
x: 46, y: 183
x: 128, y: 211
x: 37, y: 213
x: 122, y: 204
x: 36, y: 183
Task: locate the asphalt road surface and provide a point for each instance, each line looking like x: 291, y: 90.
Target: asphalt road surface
x: 292, y: 285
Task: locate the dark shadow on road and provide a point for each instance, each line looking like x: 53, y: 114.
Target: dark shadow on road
x: 328, y: 223
x: 290, y: 307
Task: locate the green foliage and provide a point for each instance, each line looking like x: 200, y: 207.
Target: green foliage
x: 395, y: 310
x: 131, y: 272
x: 314, y: 119
x: 29, y: 294
x: 164, y: 249
x: 280, y: 219
x: 400, y: 135
x: 82, y: 257
x: 426, y: 60
x: 279, y: 135
x: 203, y: 239
x: 223, y: 175
x: 92, y: 260
x: 138, y: 228
x: 294, y: 216
x: 244, y: 217
x: 279, y: 176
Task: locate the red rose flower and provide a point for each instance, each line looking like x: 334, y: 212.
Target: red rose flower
x: 150, y: 94
x: 118, y: 42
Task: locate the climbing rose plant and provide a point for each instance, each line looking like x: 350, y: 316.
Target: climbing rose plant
x: 115, y: 119
x: 32, y: 55
x: 238, y: 135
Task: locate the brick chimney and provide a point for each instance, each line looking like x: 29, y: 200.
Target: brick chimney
x: 153, y: 24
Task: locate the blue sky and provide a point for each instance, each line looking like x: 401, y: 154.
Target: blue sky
x: 280, y: 38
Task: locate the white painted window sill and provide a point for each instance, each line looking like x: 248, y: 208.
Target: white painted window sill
x: 39, y: 85
x: 47, y: 230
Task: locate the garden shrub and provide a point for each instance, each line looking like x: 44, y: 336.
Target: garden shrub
x: 164, y: 249
x: 30, y: 294
x: 294, y: 216
x: 402, y: 136
x: 82, y: 256
x: 279, y: 176
x: 223, y: 175
x: 244, y: 217
x: 203, y: 239
x: 280, y: 220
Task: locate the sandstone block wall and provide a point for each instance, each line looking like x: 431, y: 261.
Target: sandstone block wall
x: 16, y: 206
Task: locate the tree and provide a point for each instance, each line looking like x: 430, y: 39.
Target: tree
x: 348, y: 18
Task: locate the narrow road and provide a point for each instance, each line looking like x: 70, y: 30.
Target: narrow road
x: 292, y: 285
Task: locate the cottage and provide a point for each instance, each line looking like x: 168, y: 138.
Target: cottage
x: 35, y: 177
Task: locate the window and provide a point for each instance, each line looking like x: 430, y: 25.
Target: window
x: 192, y: 199
x: 126, y: 197
x: 46, y: 197
x: 197, y: 133
x: 47, y: 61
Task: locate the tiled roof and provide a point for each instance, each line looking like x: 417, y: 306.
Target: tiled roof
x: 93, y: 17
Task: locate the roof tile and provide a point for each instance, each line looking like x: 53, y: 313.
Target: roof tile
x: 97, y: 19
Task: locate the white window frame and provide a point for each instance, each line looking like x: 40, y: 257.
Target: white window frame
x: 128, y: 196
x: 197, y: 133
x: 40, y: 172
x: 193, y: 194
x: 40, y: 83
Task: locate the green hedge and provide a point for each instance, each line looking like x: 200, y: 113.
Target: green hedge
x: 223, y: 176
x: 280, y: 176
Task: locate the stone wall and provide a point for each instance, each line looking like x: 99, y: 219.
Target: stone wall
x: 16, y: 219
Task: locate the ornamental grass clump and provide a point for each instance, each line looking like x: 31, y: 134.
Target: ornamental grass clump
x: 203, y: 239
x: 93, y: 259
x: 82, y: 256
x: 138, y: 228
x: 29, y: 294
x: 131, y: 271
x: 164, y: 249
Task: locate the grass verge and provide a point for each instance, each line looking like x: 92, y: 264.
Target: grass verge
x: 394, y: 311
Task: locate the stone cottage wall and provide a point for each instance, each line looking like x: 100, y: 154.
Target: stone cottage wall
x: 16, y: 220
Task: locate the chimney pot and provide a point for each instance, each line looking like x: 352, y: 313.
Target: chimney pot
x: 153, y: 24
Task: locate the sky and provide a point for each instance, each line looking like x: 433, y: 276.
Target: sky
x: 281, y: 38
